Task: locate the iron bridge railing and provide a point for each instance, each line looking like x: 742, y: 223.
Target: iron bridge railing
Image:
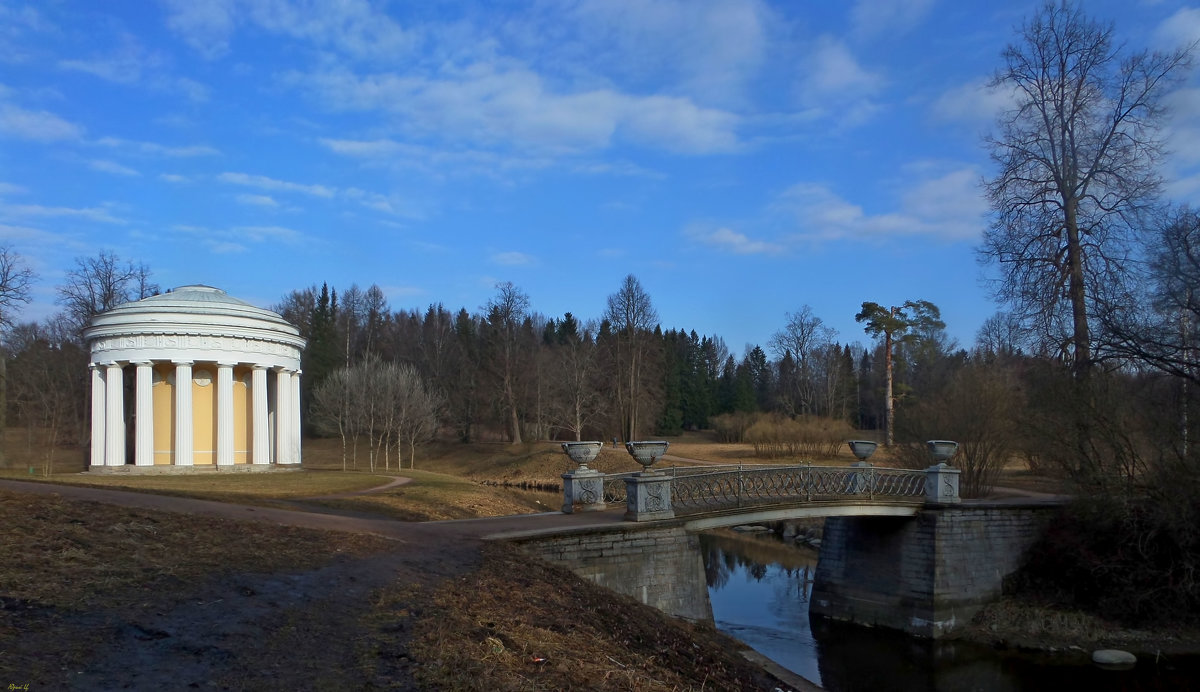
x: 714, y: 488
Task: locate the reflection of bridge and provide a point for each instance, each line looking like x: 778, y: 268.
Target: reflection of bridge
x: 900, y: 549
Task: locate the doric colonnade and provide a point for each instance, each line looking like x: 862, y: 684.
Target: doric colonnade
x: 194, y: 377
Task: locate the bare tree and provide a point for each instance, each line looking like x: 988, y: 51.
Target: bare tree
x: 576, y: 398
x: 804, y: 336
x: 633, y: 318
x: 505, y: 315
x: 1076, y: 157
x: 15, y: 279
x: 101, y: 283
x: 388, y: 403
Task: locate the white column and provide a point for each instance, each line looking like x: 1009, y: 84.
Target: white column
x: 143, y: 448
x: 283, y: 417
x: 224, y: 414
x: 297, y: 428
x: 260, y: 453
x: 99, y: 401
x: 114, y: 416
x: 183, y: 413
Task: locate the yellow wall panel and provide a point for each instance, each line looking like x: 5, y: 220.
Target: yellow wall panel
x: 164, y: 414
x: 204, y: 418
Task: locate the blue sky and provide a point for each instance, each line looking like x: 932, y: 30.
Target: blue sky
x: 742, y: 158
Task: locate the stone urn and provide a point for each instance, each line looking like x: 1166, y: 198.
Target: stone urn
x: 942, y: 450
x: 582, y: 452
x: 862, y: 449
x: 646, y: 453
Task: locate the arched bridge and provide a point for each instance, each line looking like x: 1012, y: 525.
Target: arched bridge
x: 720, y: 495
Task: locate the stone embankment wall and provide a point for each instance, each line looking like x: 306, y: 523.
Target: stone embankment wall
x: 927, y: 574
x: 661, y: 567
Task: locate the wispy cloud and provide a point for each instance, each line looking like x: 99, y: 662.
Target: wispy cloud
x: 173, y: 178
x: 733, y: 241
x: 949, y: 206
x: 353, y: 27
x: 873, y: 18
x: 835, y: 84
x: 39, y: 126
x: 239, y: 239
x: 98, y: 214
x: 973, y: 103
x: 512, y: 259
x: 1180, y: 30
x: 257, y: 200
x: 156, y: 149
x: 111, y: 167
x: 513, y: 107
x: 264, y: 183
x: 8, y: 190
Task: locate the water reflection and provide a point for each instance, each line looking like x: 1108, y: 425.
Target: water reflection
x: 759, y: 589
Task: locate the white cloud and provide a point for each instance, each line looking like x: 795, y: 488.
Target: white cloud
x: 375, y: 148
x: 353, y: 27
x: 111, y: 167
x: 265, y: 183
x: 156, y: 149
x: 733, y: 241
x: 834, y: 84
x: 39, y: 126
x: 512, y: 259
x: 173, y: 178
x: 873, y: 18
x: 708, y: 49
x: 949, y: 206
x: 98, y: 214
x: 257, y: 200
x: 8, y: 189
x: 239, y: 238
x: 974, y: 103
x: 394, y: 292
x: 1180, y: 30
x: 514, y: 107
x: 131, y: 64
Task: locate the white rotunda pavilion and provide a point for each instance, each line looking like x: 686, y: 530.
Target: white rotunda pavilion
x: 240, y: 369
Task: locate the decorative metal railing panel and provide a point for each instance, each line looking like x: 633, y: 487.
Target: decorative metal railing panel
x: 755, y: 486
x: 713, y: 488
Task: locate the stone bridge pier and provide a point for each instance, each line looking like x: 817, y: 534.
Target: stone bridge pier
x: 926, y: 574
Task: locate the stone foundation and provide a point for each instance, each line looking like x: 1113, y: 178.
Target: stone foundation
x: 927, y: 574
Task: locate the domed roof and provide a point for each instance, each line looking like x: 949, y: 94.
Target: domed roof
x: 197, y: 311
x: 212, y: 303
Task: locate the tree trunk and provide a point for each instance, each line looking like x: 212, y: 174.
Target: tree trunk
x: 889, y: 402
x: 1082, y: 338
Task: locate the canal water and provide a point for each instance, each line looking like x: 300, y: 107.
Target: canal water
x: 759, y: 589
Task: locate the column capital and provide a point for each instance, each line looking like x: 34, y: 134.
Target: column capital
x: 141, y: 362
x: 226, y: 364
x: 259, y: 366
x: 182, y: 362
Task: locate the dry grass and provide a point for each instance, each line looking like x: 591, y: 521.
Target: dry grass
x: 435, y: 496
x: 520, y: 624
x: 244, y: 488
x: 1023, y: 624
x: 79, y: 555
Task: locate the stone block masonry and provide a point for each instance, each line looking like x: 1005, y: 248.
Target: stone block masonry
x: 926, y: 574
x: 659, y: 566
